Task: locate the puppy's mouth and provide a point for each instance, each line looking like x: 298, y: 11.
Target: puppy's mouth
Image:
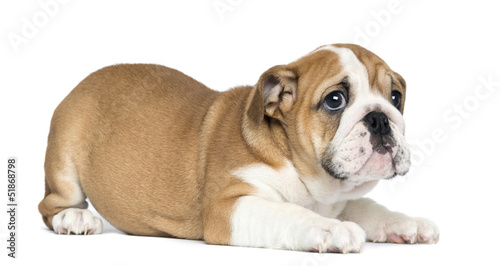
x: 383, y: 144
x: 364, y: 156
x: 380, y: 163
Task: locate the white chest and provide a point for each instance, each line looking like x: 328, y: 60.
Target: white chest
x: 323, y: 194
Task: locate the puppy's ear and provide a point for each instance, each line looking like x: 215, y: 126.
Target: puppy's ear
x: 274, y: 94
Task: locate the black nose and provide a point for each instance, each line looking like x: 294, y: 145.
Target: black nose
x: 377, y: 123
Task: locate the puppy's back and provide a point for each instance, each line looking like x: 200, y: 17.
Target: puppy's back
x: 124, y: 130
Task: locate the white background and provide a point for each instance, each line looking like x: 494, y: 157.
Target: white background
x: 443, y: 49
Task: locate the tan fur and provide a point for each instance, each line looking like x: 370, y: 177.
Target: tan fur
x: 154, y: 150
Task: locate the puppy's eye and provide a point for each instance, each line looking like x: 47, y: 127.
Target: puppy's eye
x: 396, y: 99
x: 335, y: 101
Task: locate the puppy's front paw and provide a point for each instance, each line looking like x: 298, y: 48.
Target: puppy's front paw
x: 428, y: 232
x: 408, y: 230
x: 338, y: 237
x: 76, y: 221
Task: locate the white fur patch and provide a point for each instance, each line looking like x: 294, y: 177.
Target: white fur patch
x: 76, y: 221
x: 277, y: 185
x: 318, y: 193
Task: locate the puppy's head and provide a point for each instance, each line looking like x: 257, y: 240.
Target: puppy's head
x: 341, y: 109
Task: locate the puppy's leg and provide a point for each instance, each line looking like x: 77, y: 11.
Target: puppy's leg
x: 382, y: 225
x: 258, y: 222
x: 63, y: 208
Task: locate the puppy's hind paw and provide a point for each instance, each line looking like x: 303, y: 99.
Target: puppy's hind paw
x: 76, y: 221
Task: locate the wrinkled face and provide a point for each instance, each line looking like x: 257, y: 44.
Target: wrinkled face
x: 354, y: 121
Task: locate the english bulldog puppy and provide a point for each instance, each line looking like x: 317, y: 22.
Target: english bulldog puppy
x: 283, y: 164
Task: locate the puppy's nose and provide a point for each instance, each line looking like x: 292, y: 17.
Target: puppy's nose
x: 377, y: 123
